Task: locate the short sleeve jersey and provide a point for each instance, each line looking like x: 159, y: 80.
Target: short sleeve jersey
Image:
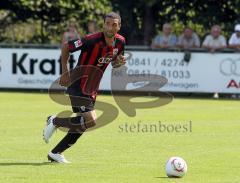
x: 94, y: 58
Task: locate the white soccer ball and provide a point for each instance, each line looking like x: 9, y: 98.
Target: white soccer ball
x: 176, y: 167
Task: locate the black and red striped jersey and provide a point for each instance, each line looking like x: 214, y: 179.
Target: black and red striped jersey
x: 95, y: 53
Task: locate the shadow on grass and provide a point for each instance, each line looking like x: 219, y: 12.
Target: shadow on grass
x: 27, y: 164
x: 166, y: 177
x: 161, y: 177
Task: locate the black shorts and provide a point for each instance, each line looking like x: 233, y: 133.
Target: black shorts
x: 79, y: 101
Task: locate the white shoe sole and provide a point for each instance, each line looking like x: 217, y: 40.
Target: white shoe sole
x: 46, y: 139
x: 51, y: 159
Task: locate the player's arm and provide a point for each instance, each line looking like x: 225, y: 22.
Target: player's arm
x: 120, y: 59
x: 65, y: 77
x: 67, y: 48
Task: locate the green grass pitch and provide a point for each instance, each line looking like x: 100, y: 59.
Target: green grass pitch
x: 112, y: 154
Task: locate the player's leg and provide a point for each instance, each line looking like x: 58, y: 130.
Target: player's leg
x: 77, y: 125
x: 56, y: 153
x: 81, y: 122
x: 87, y: 120
x: 80, y: 104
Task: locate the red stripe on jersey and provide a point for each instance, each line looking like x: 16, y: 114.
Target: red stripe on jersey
x: 94, y: 54
x: 104, y: 51
x: 93, y: 36
x: 83, y: 58
x: 118, y: 36
x: 120, y: 49
x: 109, y: 53
x: 70, y: 47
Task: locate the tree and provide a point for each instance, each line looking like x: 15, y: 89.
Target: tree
x: 146, y: 17
x: 51, y: 16
x: 141, y: 19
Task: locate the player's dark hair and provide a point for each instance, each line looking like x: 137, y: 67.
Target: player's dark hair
x: 113, y: 15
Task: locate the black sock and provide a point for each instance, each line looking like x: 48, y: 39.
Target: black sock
x: 70, y: 139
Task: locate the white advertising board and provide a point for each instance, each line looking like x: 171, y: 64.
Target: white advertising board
x: 206, y: 72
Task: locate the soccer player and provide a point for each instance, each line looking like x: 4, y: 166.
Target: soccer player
x: 97, y: 51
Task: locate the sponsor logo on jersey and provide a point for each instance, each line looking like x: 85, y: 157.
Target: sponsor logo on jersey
x: 78, y: 43
x: 106, y: 59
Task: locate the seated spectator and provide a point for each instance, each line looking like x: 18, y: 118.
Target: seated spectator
x: 214, y: 40
x: 188, y: 39
x: 92, y: 27
x: 234, y: 41
x: 166, y: 39
x: 71, y: 32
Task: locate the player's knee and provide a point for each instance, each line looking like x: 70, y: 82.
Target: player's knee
x: 90, y: 119
x: 90, y: 123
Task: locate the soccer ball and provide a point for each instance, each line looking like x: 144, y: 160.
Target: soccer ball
x: 176, y: 167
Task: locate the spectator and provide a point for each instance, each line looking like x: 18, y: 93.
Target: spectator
x: 188, y: 39
x: 215, y: 40
x: 71, y: 32
x: 92, y: 27
x: 166, y: 40
x: 234, y: 41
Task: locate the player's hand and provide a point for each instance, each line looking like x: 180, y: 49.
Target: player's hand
x: 65, y: 79
x: 120, y: 60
